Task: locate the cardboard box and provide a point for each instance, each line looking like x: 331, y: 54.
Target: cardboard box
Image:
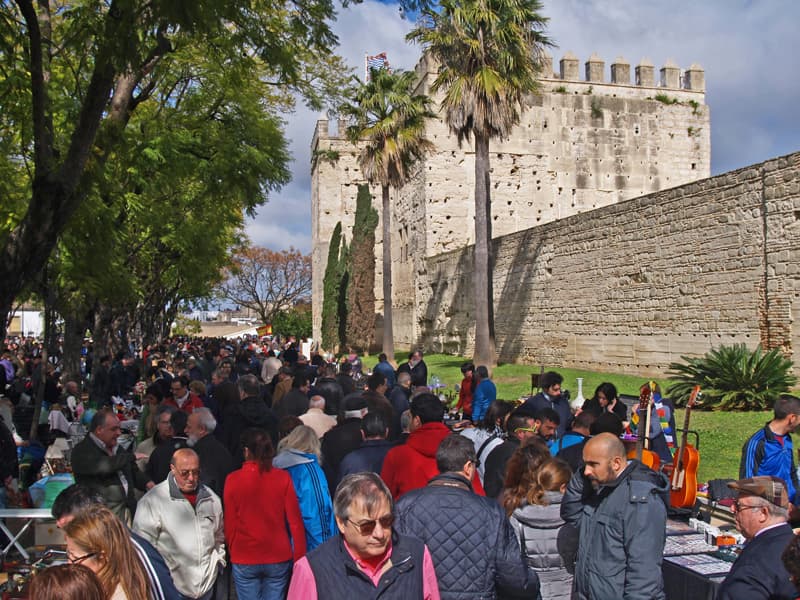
x: 47, y: 534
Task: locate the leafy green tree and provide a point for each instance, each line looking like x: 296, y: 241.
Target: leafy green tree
x: 186, y: 326
x: 75, y: 75
x: 361, y: 269
x: 489, y: 57
x: 295, y: 321
x: 733, y: 378
x: 389, y: 125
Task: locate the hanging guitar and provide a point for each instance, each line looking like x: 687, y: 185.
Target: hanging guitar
x: 683, y: 483
x: 641, y: 453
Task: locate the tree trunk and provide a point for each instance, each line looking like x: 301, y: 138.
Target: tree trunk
x: 388, y: 331
x: 38, y: 398
x: 74, y: 327
x: 106, y: 326
x: 485, y: 352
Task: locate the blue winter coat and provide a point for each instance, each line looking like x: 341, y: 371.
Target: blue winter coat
x: 312, y: 494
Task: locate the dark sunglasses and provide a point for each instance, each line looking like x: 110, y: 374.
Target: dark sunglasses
x: 367, y: 527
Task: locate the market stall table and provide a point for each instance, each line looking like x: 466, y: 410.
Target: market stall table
x: 30, y: 515
x: 692, y: 568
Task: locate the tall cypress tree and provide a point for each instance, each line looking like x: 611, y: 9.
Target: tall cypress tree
x: 331, y: 291
x: 361, y: 287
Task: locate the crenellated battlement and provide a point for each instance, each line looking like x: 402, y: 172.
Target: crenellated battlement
x: 671, y: 75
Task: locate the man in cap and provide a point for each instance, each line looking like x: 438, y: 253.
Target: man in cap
x: 762, y: 511
x: 343, y: 438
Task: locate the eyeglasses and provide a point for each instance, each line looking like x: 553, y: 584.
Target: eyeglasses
x: 528, y: 429
x: 186, y: 472
x: 79, y: 559
x: 476, y: 462
x: 367, y: 527
x: 740, y: 507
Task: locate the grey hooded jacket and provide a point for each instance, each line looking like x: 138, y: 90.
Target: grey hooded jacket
x: 622, y: 528
x: 542, y: 533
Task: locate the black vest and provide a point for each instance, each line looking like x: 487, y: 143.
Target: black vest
x: 338, y: 577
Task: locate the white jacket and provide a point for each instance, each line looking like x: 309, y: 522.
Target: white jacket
x: 191, y: 540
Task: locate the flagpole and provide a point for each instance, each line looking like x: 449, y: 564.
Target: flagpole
x: 366, y: 67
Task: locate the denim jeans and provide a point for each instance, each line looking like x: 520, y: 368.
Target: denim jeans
x: 262, y: 582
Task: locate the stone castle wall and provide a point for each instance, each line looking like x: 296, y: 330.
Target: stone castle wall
x: 635, y: 285
x: 581, y: 145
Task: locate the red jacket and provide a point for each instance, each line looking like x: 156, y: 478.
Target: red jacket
x: 465, y: 395
x: 193, y: 402
x: 412, y: 465
x: 261, y: 510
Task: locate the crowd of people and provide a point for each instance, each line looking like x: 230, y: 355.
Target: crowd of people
x: 259, y: 469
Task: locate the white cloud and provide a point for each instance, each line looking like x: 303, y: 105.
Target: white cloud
x: 748, y: 50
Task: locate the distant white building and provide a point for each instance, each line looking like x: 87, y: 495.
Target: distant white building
x: 27, y: 322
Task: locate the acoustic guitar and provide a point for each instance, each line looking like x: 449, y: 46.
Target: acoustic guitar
x: 640, y: 453
x: 683, y: 488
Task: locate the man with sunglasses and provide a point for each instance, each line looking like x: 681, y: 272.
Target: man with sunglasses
x: 368, y: 558
x: 761, y: 512
x: 182, y: 519
x: 521, y: 427
x: 473, y: 545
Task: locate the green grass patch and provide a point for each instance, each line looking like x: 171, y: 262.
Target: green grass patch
x: 722, y: 435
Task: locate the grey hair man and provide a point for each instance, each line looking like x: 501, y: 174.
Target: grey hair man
x: 470, y: 538
x: 100, y: 463
x: 216, y: 461
x: 368, y: 556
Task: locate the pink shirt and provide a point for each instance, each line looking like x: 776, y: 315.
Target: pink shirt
x: 304, y: 587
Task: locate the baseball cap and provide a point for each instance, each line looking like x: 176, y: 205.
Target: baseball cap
x: 772, y: 489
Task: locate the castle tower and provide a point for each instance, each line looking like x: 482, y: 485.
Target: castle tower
x: 580, y: 145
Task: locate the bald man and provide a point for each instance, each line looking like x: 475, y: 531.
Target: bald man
x: 182, y: 519
x: 619, y: 507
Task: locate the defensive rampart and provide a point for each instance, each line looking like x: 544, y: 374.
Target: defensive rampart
x: 633, y: 286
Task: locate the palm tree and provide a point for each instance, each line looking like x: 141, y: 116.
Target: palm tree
x: 489, y: 54
x: 389, y: 122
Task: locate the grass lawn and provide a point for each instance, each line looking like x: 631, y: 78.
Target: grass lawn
x: 722, y: 434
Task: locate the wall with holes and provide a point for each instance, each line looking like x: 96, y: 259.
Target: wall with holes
x: 633, y: 286
x: 581, y: 144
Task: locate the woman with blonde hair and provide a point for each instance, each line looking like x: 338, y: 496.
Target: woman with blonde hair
x: 534, y: 490
x: 97, y: 539
x: 299, y: 453
x: 66, y: 582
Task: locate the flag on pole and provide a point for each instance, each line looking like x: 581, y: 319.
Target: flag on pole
x: 379, y: 61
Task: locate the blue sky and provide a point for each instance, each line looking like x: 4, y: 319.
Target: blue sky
x: 749, y: 51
